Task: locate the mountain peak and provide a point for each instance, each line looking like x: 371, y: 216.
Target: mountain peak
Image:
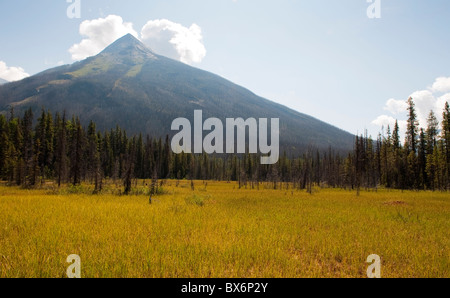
x: 127, y: 39
x: 142, y: 92
x: 128, y: 46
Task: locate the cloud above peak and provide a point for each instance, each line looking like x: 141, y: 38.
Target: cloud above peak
x: 174, y: 40
x: 99, y: 34
x: 12, y: 74
x: 162, y: 36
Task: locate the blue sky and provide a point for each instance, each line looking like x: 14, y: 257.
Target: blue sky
x: 325, y: 58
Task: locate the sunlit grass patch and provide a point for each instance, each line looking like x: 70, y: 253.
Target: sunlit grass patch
x: 219, y: 230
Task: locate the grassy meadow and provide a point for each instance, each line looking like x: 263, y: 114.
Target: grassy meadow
x: 218, y: 230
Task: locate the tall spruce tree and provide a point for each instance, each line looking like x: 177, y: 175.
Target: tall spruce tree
x: 412, y: 129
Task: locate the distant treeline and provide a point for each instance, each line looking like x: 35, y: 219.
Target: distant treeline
x: 61, y: 149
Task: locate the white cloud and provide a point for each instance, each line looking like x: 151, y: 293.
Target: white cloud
x: 440, y: 104
x: 174, y: 40
x: 163, y: 36
x: 441, y: 84
x: 425, y: 101
x: 12, y: 74
x: 100, y: 33
x: 385, y: 121
x: 396, y: 106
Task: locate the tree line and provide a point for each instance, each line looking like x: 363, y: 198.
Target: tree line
x: 61, y: 149
x: 422, y: 162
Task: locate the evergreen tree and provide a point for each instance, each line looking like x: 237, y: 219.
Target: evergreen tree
x: 28, y: 177
x: 412, y: 129
x: 446, y: 142
x: 61, y: 149
x: 422, y: 161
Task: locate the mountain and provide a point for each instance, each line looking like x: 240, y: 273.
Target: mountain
x: 129, y: 85
x: 2, y: 81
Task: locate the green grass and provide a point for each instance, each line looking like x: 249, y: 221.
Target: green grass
x: 220, y: 231
x: 134, y: 71
x: 97, y: 66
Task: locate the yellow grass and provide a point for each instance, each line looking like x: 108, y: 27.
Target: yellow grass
x: 221, y: 231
